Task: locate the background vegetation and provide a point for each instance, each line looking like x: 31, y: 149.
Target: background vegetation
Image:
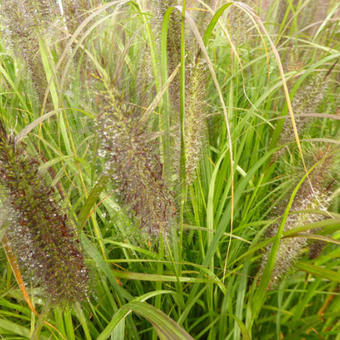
x: 169, y: 169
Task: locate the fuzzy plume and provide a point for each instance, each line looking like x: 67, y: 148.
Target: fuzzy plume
x: 173, y: 59
x: 306, y: 101
x: 195, y: 117
x: 25, y: 21
x: 313, y: 195
x: 39, y: 233
x: 240, y: 26
x: 75, y: 12
x: 196, y: 92
x: 173, y: 44
x: 132, y: 163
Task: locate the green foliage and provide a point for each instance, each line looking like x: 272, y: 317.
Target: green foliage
x: 205, y: 203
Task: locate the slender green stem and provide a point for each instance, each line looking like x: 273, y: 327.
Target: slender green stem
x: 40, y: 323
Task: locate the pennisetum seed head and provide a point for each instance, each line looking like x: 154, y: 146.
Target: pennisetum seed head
x: 136, y: 170
x: 313, y: 195
x: 75, y: 12
x: 195, y: 117
x: 195, y: 91
x: 24, y: 22
x: 306, y: 101
x: 46, y: 247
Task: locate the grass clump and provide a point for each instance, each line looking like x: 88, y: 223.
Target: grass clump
x: 196, y: 155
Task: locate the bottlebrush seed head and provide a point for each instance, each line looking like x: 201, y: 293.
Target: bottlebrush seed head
x: 306, y: 101
x: 290, y: 248
x: 132, y: 163
x: 46, y: 247
x: 23, y: 22
x: 313, y: 195
x: 196, y: 113
x: 75, y: 12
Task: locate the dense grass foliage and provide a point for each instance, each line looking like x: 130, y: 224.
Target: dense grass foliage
x: 169, y: 169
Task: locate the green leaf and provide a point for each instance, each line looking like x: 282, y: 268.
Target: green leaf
x: 318, y: 271
x: 82, y: 319
x: 17, y: 329
x: 119, y: 331
x: 91, y: 200
x: 213, y: 22
x: 163, y: 325
x: 103, y: 266
x: 243, y: 328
